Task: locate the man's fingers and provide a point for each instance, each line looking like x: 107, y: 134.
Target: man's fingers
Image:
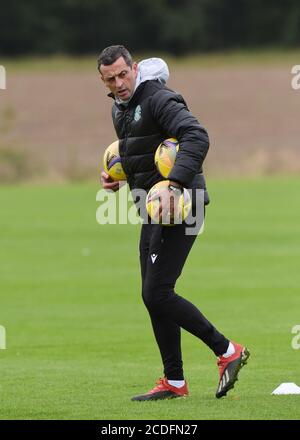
x: 104, y: 175
x: 108, y: 183
x: 112, y: 185
x: 115, y: 186
x: 167, y: 206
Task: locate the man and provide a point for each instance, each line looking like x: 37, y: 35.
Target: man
x: 145, y: 112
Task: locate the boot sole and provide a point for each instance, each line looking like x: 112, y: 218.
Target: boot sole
x: 158, y: 397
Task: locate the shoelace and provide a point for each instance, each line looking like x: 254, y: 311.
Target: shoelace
x: 159, y: 385
x: 221, y: 364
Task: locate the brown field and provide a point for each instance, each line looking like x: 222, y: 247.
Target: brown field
x: 55, y: 126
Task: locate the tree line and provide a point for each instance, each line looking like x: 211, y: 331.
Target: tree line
x: 175, y: 26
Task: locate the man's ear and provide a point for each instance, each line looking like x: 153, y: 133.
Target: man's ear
x: 100, y: 73
x: 135, y: 68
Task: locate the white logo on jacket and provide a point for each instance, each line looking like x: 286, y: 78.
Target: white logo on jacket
x: 138, y: 113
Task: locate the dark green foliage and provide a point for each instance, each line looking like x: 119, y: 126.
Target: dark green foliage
x: 87, y: 26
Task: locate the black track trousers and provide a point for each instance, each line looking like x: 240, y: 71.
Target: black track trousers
x: 163, y: 252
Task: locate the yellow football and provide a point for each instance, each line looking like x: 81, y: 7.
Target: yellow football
x: 112, y: 162
x: 165, y: 156
x: 177, y: 206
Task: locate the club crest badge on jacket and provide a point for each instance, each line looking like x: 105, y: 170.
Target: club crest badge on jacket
x: 138, y: 113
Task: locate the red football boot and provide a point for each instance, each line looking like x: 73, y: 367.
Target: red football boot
x: 229, y: 369
x: 163, y: 390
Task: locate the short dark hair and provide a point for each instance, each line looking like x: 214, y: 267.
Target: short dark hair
x: 111, y: 53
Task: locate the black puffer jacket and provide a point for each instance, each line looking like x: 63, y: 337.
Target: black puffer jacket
x: 153, y: 114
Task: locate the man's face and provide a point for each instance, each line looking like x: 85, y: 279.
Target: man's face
x: 119, y: 78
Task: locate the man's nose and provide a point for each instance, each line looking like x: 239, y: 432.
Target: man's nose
x: 119, y: 83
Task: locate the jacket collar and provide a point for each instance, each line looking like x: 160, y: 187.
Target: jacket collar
x: 132, y: 100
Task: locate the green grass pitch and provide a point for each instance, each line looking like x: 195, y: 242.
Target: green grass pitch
x: 79, y: 340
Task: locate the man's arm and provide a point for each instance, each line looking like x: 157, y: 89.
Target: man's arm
x: 171, y: 113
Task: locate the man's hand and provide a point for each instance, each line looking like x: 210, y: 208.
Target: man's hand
x: 108, y: 183
x: 169, y: 208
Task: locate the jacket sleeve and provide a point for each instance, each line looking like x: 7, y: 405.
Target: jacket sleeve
x: 172, y: 115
